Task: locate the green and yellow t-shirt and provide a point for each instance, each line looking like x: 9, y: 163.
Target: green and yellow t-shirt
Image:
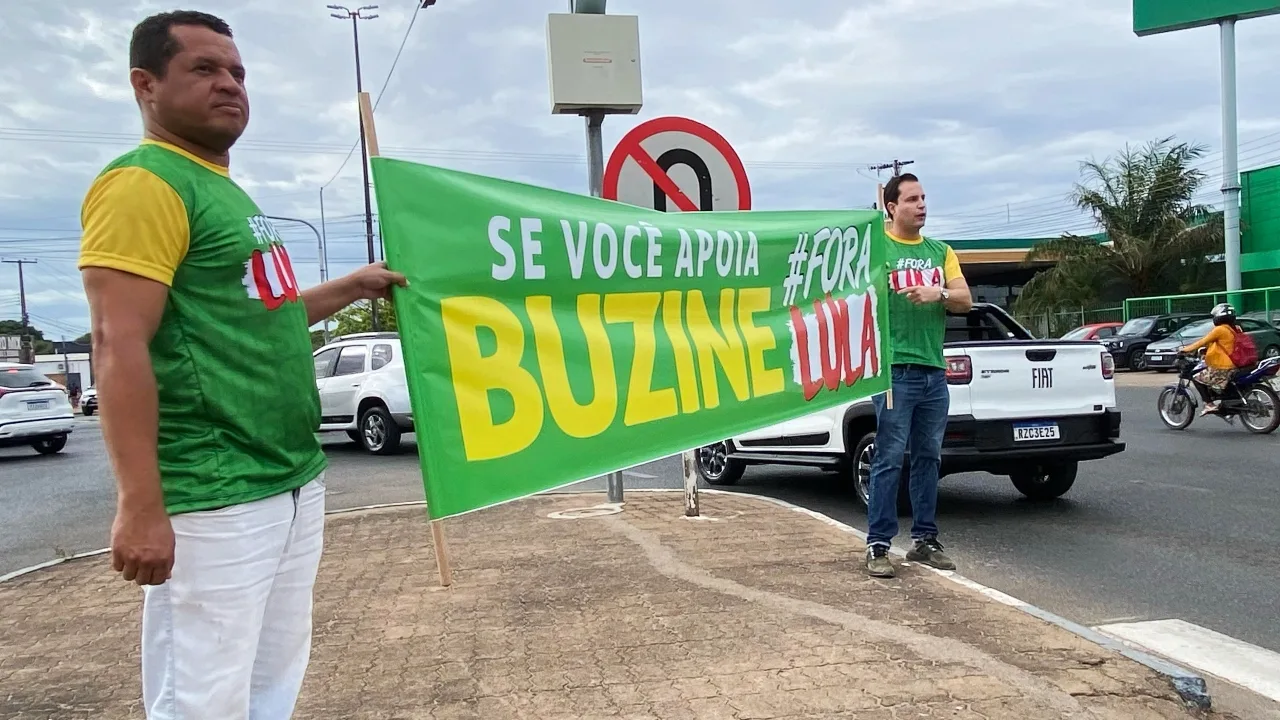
x: 232, y: 355
x: 918, y: 331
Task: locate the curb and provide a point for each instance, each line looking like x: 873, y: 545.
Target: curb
x: 1190, y: 686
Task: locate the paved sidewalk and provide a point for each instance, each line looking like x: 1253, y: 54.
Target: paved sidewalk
x: 760, y: 613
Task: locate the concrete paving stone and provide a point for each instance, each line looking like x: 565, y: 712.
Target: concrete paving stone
x: 644, y: 614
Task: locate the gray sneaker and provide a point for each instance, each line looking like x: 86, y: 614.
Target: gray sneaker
x: 878, y: 564
x: 928, y: 551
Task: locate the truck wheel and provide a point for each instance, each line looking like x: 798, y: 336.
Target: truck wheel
x: 50, y: 445
x: 1046, y: 482
x: 715, y: 466
x: 379, y: 433
x: 863, y: 454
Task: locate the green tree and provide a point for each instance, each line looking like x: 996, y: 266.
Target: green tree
x: 1143, y: 200
x: 38, y: 341
x: 357, y: 318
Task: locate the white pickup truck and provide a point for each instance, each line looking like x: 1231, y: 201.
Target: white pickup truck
x: 1024, y: 408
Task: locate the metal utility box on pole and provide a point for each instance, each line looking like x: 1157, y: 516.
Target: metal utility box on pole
x: 1151, y: 17
x: 593, y: 68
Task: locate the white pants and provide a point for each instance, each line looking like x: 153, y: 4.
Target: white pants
x: 228, y: 636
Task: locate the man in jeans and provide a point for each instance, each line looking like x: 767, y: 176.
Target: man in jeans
x: 926, y: 282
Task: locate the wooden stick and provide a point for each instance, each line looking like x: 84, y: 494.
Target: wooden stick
x: 442, y: 553
x: 437, y: 530
x: 366, y: 121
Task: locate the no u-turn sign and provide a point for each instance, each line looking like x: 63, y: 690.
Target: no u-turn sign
x: 673, y: 163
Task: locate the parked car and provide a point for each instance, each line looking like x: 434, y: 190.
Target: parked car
x: 1162, y: 354
x: 89, y: 401
x: 1129, y: 346
x: 34, y: 410
x: 1093, y: 331
x: 363, y: 390
x: 1027, y: 409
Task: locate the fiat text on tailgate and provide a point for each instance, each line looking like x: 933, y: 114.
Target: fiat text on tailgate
x: 1027, y: 409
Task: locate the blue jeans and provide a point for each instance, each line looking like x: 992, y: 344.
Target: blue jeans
x: 915, y: 425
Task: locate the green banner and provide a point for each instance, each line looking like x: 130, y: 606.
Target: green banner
x: 550, y: 337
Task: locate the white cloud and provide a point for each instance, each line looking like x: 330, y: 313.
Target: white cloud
x: 996, y: 101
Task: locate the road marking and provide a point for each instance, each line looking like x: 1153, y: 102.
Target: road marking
x: 646, y: 476
x: 1171, y: 486
x: 1249, y: 666
x: 1127, y: 619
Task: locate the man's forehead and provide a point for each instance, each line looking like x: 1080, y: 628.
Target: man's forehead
x: 205, y: 42
x: 909, y: 188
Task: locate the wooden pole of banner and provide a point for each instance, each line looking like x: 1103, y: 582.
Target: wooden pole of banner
x: 437, y: 530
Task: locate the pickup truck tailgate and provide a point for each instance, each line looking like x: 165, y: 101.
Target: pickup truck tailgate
x: 1032, y: 379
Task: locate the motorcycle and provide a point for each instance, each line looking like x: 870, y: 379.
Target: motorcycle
x: 1248, y: 396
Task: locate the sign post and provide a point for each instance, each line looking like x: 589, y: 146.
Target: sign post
x: 1151, y: 17
x: 640, y: 172
x: 594, y: 62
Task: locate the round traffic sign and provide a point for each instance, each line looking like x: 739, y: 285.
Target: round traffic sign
x: 674, y: 163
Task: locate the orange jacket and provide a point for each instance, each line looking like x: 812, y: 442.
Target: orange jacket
x: 1221, y: 340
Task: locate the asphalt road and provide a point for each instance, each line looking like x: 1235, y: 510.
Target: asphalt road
x: 1180, y: 525
x: 63, y: 504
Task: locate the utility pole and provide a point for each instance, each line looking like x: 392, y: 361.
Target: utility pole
x: 343, y: 13
x: 896, y: 166
x: 25, y: 351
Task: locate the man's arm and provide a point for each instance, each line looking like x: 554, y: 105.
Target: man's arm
x: 960, y: 299
x: 126, y: 311
x: 367, y: 283
x: 135, y: 236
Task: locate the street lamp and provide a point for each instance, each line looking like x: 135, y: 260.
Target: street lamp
x: 324, y: 262
x: 343, y: 13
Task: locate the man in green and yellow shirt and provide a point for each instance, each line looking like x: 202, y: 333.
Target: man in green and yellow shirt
x: 925, y: 282
x: 209, y: 405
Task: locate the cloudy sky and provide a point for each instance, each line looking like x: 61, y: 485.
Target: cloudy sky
x: 996, y: 101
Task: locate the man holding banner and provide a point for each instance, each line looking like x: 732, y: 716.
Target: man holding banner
x: 925, y: 282
x: 209, y: 402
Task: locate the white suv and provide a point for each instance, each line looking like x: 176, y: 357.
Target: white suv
x: 363, y: 391
x: 34, y: 410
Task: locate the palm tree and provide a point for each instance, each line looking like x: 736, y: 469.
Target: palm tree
x: 1157, y: 239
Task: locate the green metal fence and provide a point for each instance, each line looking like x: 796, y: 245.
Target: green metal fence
x: 1057, y: 324
x: 1263, y: 301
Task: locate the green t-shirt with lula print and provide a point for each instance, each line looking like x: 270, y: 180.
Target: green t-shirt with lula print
x: 232, y: 357
x: 918, y: 331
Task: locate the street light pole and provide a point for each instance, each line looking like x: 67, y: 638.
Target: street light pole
x: 343, y: 13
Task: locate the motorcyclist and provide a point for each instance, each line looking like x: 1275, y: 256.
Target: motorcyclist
x: 1218, y: 344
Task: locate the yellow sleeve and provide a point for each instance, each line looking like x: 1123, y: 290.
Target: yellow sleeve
x: 134, y: 222
x: 1219, y: 333
x: 951, y: 267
